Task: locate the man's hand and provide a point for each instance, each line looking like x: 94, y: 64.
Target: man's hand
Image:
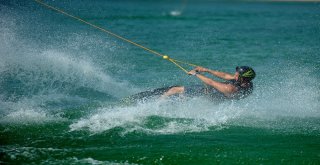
x: 201, y: 69
x: 192, y: 72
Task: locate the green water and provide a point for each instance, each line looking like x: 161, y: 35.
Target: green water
x: 229, y: 145
x: 61, y: 83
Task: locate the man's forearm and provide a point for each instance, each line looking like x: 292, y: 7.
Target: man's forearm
x: 222, y: 75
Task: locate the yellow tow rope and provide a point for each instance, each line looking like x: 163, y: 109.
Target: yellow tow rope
x: 166, y: 57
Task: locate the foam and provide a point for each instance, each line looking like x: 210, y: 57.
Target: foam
x: 28, y: 116
x: 33, y: 153
x: 179, y: 117
x: 89, y: 160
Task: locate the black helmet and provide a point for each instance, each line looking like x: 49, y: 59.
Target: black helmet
x: 246, y: 72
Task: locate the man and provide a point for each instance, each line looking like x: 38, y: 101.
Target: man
x: 237, y: 86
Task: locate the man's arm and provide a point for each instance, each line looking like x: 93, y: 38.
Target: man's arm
x: 226, y: 89
x: 223, y: 75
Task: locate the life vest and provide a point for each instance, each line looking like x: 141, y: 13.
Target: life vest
x: 242, y: 92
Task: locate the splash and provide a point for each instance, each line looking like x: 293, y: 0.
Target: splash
x: 36, y: 78
x: 35, y: 81
x: 288, y: 92
x: 159, y: 117
x: 175, y: 13
x: 275, y: 105
x: 179, y: 11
